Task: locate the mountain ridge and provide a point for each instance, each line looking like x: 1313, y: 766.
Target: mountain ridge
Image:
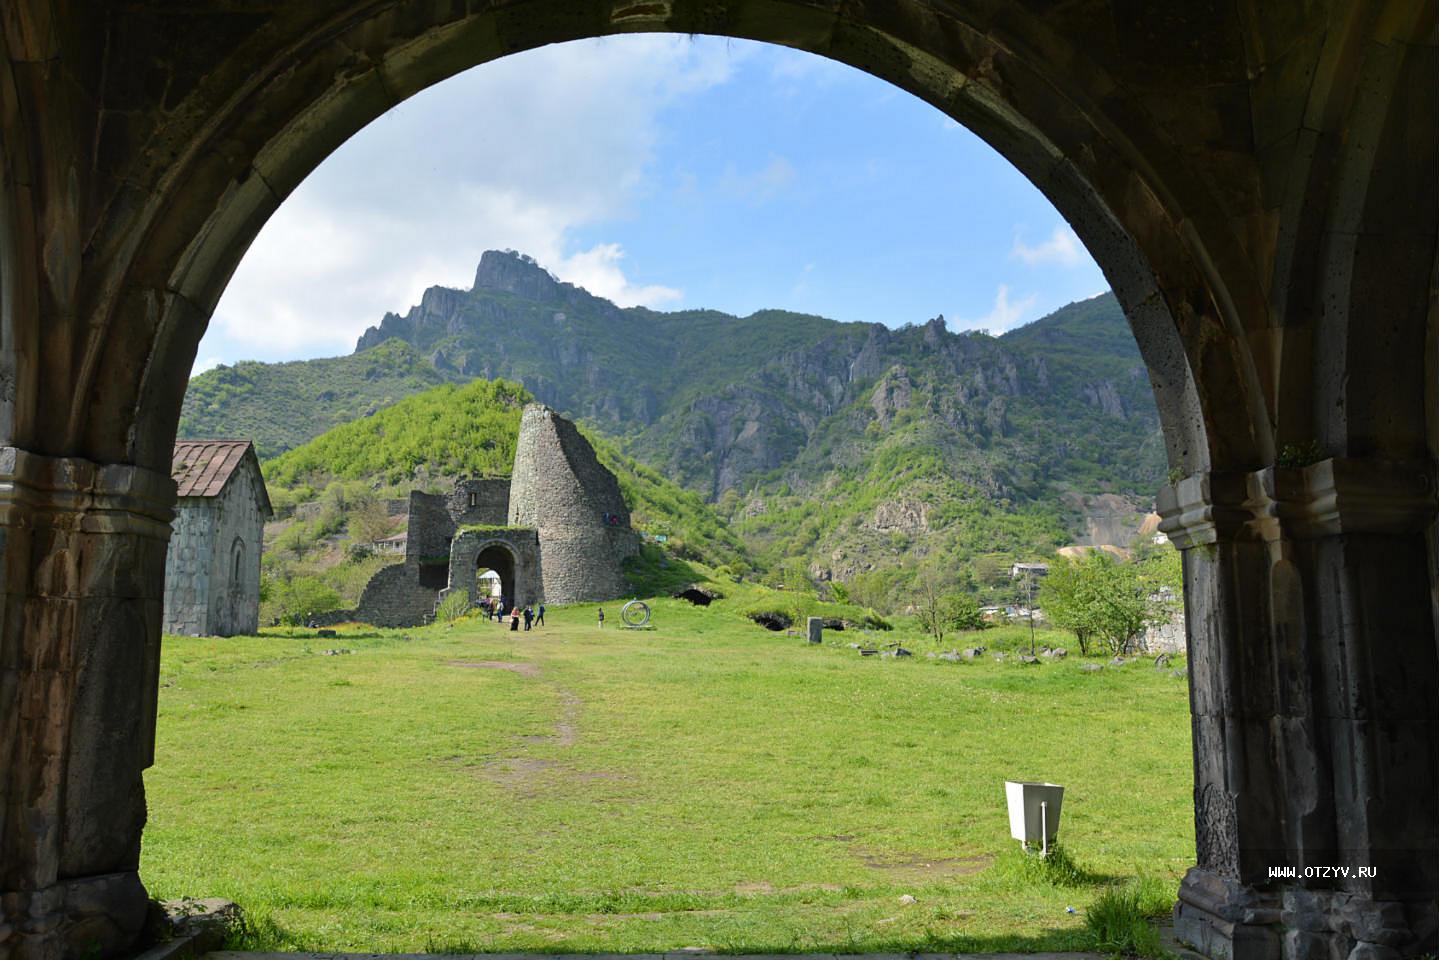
x: 720, y: 402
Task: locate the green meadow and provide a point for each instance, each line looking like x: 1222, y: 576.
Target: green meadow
x: 704, y: 783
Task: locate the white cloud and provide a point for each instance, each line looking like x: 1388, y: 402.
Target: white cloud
x: 1062, y: 248
x: 760, y: 185
x: 598, y: 271
x: 209, y: 363
x: 1005, y: 315
x: 535, y: 147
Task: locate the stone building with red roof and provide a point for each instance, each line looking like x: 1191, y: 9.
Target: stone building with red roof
x: 212, y: 569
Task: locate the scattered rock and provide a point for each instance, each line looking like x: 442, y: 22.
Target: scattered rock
x: 833, y: 623
x: 852, y: 646
x: 931, y: 655
x: 1059, y: 653
x: 1118, y: 662
x: 1091, y: 667
x: 1161, y: 661
x: 902, y: 652
x: 1179, y: 674
x: 907, y: 900
x: 334, y: 653
x: 952, y: 656
x: 999, y: 658
x: 1026, y: 658
x: 973, y: 653
x: 867, y: 651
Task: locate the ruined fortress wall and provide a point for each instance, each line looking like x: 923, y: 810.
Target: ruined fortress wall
x: 430, y: 528
x: 482, y: 500
x: 395, y: 598
x: 560, y: 489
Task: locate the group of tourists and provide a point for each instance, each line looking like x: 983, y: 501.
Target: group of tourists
x: 494, y: 609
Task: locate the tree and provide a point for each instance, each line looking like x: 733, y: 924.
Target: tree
x: 369, y: 520
x: 963, y: 611
x: 939, y: 611
x: 298, y: 538
x: 1098, y: 599
x: 299, y: 597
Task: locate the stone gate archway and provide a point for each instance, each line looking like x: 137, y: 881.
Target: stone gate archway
x: 512, y: 552
x: 1259, y: 184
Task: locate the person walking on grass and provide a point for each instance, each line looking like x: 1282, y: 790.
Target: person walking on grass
x: 602, y: 618
x: 514, y: 618
x: 540, y: 614
x: 529, y: 616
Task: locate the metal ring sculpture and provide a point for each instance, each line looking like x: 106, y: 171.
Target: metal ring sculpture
x: 636, y: 613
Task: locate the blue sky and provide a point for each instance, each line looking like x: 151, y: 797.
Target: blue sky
x: 664, y: 171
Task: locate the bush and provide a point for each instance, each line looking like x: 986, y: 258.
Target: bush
x: 299, y: 597
x: 455, y: 605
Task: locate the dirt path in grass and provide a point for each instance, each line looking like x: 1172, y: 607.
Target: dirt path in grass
x: 524, y: 773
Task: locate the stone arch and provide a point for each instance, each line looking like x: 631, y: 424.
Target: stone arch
x: 237, y: 562
x: 513, y: 552
x: 501, y: 559
x: 303, y: 82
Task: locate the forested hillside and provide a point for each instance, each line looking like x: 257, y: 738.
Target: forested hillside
x: 425, y: 442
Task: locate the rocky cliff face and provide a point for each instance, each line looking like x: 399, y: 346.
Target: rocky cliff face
x: 721, y: 401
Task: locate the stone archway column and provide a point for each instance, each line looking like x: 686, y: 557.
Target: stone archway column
x: 82, y: 561
x: 1314, y: 679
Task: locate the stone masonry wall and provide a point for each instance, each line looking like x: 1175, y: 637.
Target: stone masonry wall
x: 560, y: 489
x: 394, y: 598
x: 524, y: 550
x: 187, y: 567
x: 234, y: 601
x: 431, y: 528
x: 481, y: 500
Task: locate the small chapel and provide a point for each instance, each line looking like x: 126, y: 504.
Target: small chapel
x: 212, y: 569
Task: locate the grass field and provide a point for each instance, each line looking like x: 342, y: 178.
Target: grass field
x: 704, y: 783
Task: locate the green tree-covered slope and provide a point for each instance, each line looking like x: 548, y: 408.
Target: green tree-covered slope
x: 449, y: 431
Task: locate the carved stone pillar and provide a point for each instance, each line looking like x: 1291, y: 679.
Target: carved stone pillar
x: 82, y: 560
x: 1314, y: 679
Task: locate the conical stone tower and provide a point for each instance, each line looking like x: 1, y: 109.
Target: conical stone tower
x: 559, y: 489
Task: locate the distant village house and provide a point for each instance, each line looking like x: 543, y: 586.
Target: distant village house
x: 212, y: 569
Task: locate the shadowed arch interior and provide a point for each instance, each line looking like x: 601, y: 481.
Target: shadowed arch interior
x: 501, y: 560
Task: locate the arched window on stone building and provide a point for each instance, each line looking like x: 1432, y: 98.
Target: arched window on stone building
x: 237, y: 564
